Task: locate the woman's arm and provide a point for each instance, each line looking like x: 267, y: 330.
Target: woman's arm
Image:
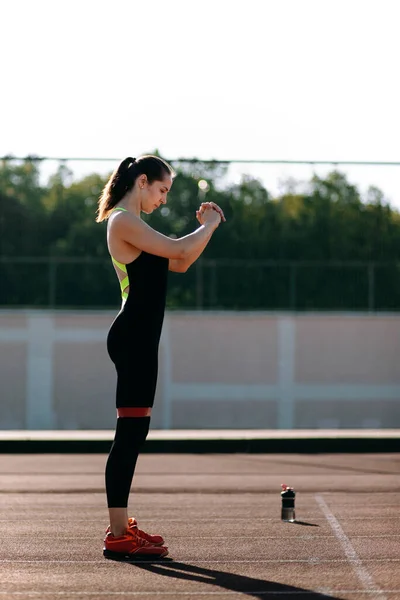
x: 181, y: 265
x: 136, y: 232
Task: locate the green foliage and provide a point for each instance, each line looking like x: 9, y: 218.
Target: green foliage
x: 326, y: 222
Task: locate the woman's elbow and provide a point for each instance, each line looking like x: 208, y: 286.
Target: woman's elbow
x: 183, y: 267
x: 178, y: 266
x: 180, y: 252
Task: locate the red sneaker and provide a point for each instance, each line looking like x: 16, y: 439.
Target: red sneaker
x: 154, y: 540
x: 130, y: 546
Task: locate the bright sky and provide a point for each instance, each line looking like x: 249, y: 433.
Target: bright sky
x: 225, y: 79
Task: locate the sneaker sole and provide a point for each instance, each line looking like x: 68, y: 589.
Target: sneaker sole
x: 126, y: 557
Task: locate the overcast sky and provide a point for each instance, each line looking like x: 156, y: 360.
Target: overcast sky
x: 225, y: 79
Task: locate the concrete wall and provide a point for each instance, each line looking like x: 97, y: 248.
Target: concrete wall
x: 233, y: 370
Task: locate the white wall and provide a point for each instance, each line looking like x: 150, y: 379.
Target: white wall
x: 233, y: 370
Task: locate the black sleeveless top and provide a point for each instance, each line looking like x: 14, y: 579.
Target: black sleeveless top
x: 135, y: 333
x: 145, y: 306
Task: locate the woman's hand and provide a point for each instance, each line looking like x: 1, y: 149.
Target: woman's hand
x: 209, y: 205
x: 210, y: 215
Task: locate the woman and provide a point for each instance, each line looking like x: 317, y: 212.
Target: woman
x: 142, y: 258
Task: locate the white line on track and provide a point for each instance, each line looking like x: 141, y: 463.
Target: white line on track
x: 352, y: 556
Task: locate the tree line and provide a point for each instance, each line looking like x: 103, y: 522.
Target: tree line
x: 249, y: 263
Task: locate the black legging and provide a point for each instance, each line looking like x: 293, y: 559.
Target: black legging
x: 132, y: 344
x: 136, y: 386
x: 130, y: 435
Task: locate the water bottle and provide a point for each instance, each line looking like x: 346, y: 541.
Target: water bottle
x: 288, y: 495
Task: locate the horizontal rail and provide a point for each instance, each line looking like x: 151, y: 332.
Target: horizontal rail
x: 208, y: 161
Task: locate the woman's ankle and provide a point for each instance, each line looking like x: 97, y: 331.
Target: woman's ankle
x: 118, y: 521
x: 118, y: 532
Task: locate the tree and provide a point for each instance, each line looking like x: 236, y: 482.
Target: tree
x: 324, y: 220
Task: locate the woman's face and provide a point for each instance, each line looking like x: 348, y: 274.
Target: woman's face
x: 154, y: 194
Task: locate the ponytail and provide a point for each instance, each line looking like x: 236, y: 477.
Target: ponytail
x: 120, y: 182
x: 124, y: 177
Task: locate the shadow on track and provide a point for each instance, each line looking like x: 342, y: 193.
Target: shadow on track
x: 305, y: 523
x: 256, y: 588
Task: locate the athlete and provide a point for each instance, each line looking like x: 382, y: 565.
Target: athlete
x: 141, y: 258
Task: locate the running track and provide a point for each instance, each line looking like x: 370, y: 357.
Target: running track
x: 220, y: 514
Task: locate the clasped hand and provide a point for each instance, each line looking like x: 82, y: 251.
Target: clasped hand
x: 204, y: 212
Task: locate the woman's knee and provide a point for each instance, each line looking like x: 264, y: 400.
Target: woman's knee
x: 131, y: 433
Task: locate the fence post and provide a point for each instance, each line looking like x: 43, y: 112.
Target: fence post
x: 52, y: 281
x: 199, y: 284
x: 213, y: 284
x: 293, y: 282
x: 371, y: 286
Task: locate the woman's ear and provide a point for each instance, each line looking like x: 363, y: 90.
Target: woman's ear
x: 142, y: 180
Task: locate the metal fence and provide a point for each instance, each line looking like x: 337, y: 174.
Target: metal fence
x: 43, y: 282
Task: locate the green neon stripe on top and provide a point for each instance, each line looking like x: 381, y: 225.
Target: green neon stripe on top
x: 125, y: 281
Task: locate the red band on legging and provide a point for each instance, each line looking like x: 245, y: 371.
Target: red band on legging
x: 134, y: 412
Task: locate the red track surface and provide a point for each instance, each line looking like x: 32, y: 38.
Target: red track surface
x: 220, y: 515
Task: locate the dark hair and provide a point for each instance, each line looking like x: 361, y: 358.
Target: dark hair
x: 124, y: 177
